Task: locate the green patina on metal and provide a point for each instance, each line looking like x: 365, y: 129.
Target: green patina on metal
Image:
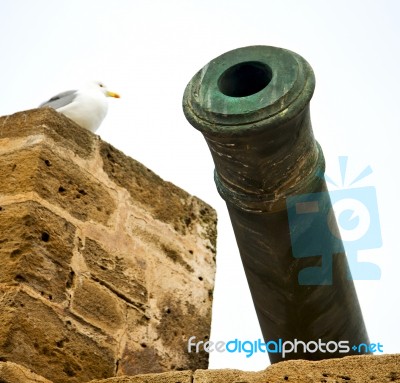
x: 290, y: 87
x: 260, y: 123
x: 252, y: 107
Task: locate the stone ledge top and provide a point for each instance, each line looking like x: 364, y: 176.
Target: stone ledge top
x: 355, y: 369
x: 48, y: 121
x: 165, y: 201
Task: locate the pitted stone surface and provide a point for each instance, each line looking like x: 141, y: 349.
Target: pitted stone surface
x: 354, y: 369
x: 15, y: 373
x: 36, y: 248
x: 57, y: 180
x: 49, y: 342
x: 107, y: 269
x: 357, y: 369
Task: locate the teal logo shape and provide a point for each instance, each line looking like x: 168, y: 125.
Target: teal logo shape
x: 314, y: 222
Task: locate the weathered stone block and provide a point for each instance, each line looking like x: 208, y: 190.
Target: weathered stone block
x: 161, y: 315
x: 165, y: 201
x: 97, y: 305
x: 46, y: 121
x: 123, y: 275
x: 43, y: 338
x: 41, y: 170
x: 354, y: 369
x: 15, y: 373
x: 165, y: 377
x: 35, y: 249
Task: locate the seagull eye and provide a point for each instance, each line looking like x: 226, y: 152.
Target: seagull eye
x: 101, y: 85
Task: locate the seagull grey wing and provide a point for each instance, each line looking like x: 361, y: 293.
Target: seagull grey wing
x: 60, y: 100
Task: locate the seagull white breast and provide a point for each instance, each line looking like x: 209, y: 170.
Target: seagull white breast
x: 87, y: 107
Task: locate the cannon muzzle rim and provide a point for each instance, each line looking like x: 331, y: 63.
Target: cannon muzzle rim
x: 247, y: 86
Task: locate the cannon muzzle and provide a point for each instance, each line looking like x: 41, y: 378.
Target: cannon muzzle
x: 252, y: 107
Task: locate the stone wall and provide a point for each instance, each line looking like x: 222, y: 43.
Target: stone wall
x: 351, y: 369
x: 106, y: 269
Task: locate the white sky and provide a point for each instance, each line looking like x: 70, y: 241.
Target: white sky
x: 148, y: 51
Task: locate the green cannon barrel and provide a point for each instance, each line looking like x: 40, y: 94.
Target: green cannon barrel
x: 252, y: 107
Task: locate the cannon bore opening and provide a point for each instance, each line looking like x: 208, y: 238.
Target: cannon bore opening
x: 245, y: 79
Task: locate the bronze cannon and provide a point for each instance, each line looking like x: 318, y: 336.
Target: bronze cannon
x: 252, y: 107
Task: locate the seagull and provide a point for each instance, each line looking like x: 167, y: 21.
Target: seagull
x: 86, y: 106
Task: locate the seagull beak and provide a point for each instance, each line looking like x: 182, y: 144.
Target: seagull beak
x: 112, y: 94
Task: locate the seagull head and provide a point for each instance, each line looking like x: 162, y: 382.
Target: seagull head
x: 99, y: 86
